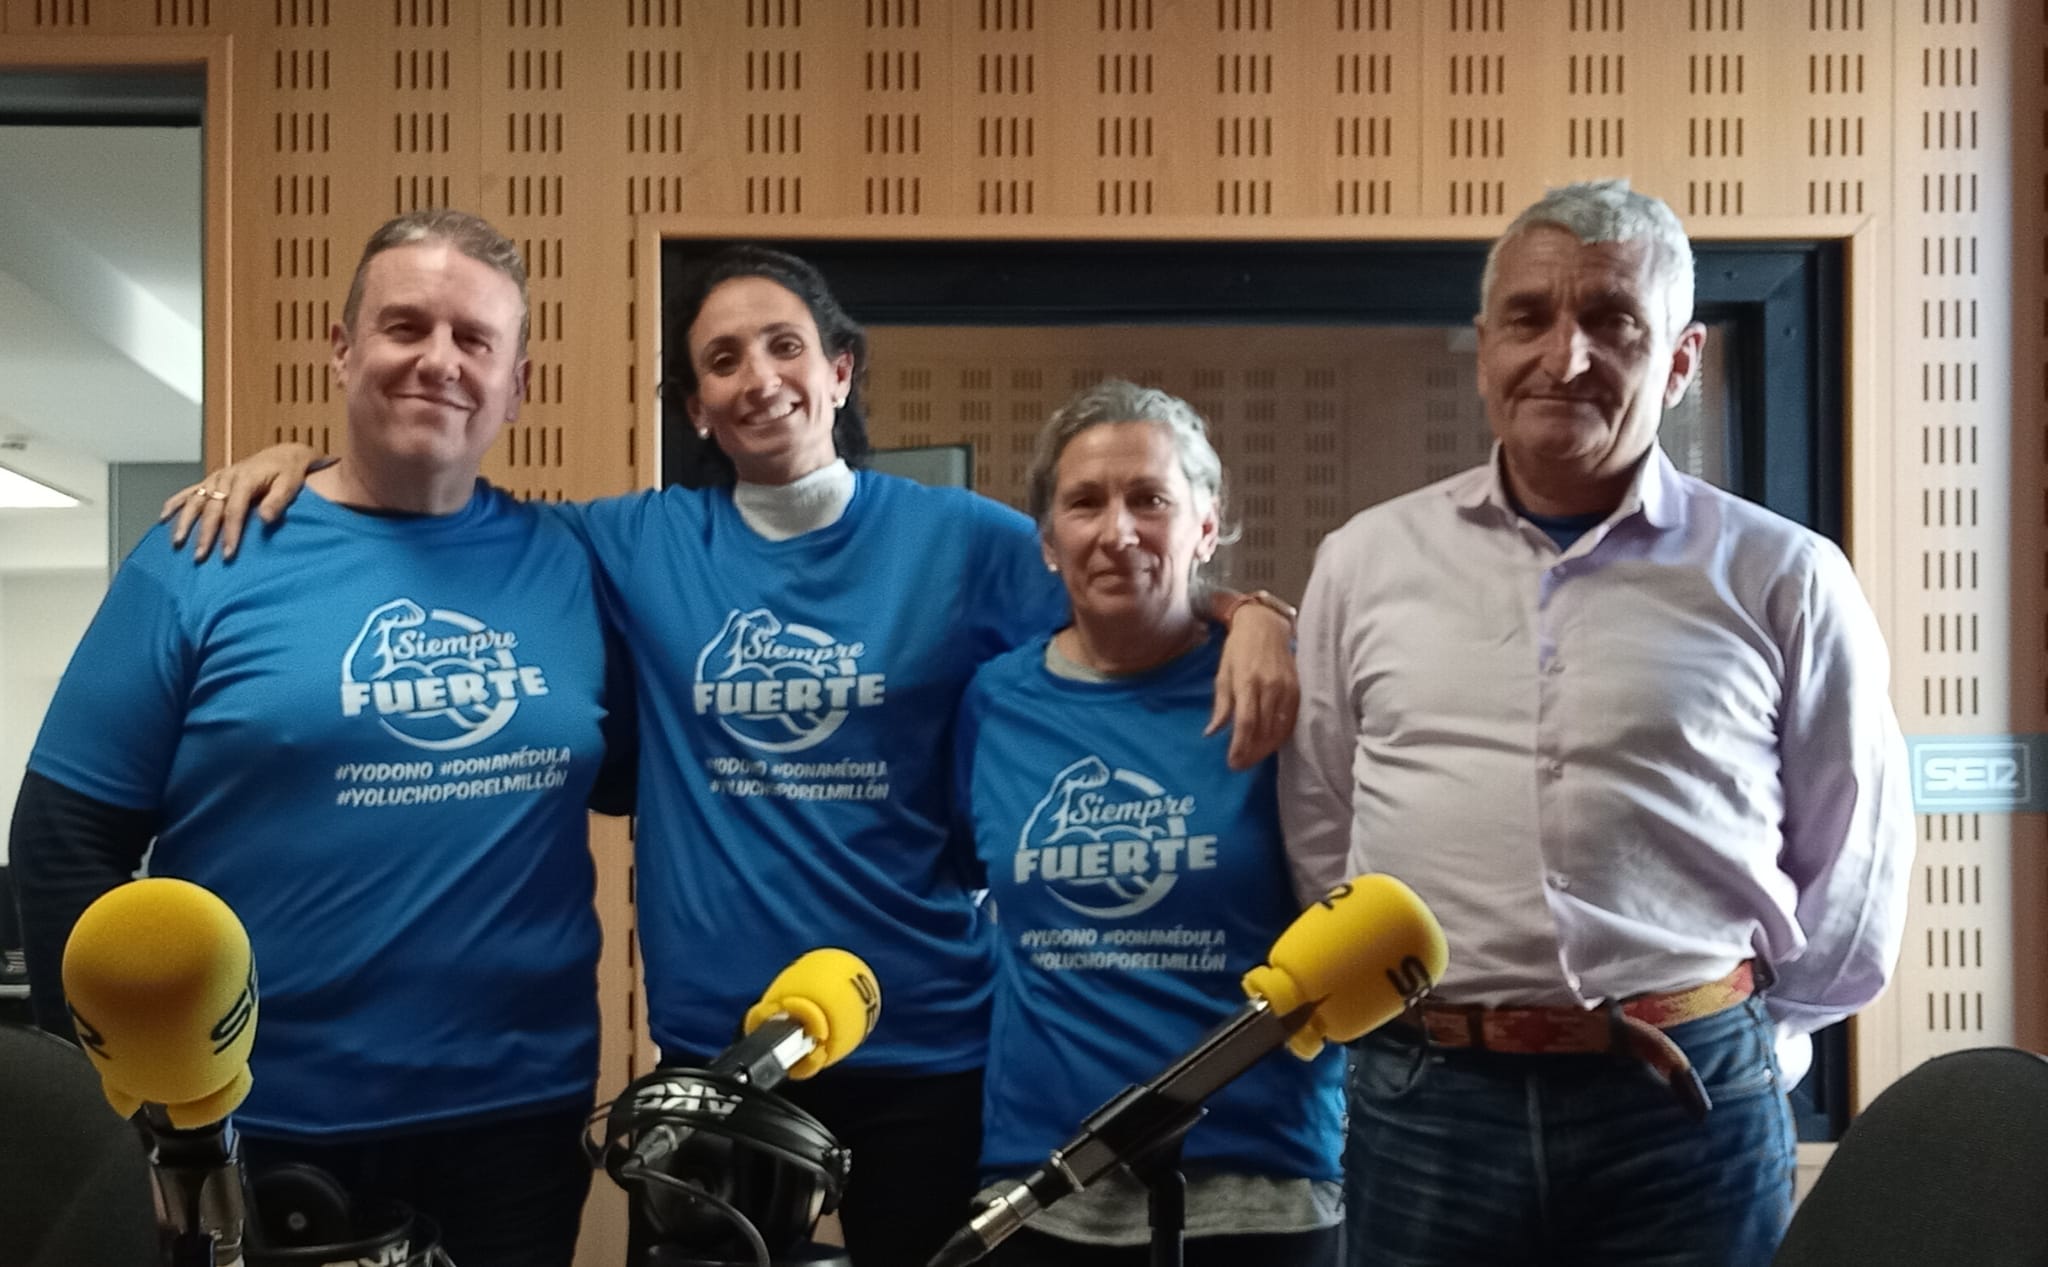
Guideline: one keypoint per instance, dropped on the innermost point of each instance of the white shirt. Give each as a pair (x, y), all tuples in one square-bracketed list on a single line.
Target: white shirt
[(1620, 768)]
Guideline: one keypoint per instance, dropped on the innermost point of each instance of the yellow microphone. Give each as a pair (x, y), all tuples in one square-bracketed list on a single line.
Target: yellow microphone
[(162, 989), (1346, 965), (1358, 958), (815, 1012)]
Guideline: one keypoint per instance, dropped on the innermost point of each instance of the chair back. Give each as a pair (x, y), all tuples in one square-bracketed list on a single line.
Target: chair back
[(74, 1177), (1947, 1165)]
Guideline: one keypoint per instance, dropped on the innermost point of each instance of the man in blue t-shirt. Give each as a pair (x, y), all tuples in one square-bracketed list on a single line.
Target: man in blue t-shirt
[(375, 736)]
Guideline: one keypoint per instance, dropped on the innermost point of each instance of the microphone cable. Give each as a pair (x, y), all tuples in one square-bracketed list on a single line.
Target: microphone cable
[(639, 1171)]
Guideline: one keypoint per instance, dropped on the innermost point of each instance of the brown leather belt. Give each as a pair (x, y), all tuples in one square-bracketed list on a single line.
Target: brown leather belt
[(1631, 1027)]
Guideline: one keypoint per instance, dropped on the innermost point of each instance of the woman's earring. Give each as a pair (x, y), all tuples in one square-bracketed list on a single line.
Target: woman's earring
[(703, 433)]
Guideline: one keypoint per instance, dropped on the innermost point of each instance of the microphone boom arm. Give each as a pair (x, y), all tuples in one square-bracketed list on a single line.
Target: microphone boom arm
[(763, 1059), (1133, 1126), (1142, 1118)]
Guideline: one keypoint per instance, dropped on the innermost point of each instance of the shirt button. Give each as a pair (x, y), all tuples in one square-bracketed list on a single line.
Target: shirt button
[(1556, 667), (1560, 881), (1555, 769)]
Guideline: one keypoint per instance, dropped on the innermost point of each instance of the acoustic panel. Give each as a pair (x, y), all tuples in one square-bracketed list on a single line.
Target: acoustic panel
[(1953, 653)]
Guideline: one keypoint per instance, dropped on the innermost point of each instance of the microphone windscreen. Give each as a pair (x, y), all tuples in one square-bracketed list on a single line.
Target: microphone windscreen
[(162, 989), (831, 993), (1359, 956)]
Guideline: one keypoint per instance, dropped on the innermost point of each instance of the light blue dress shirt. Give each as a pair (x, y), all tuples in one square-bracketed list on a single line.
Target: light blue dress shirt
[(1618, 768)]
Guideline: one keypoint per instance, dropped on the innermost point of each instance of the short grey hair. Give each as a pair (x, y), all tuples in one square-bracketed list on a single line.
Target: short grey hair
[(1609, 211), (472, 235), (1117, 400)]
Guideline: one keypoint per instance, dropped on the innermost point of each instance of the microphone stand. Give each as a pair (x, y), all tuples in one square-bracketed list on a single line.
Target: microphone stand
[(200, 1195), (193, 1249), (1152, 1139), (1166, 1201)]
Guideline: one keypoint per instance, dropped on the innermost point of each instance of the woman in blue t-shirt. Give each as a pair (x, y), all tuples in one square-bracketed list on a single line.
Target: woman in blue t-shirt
[(1134, 875), (800, 633)]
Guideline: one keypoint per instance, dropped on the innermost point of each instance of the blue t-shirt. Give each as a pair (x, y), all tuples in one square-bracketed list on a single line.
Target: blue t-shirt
[(373, 737), (1135, 878), (796, 712)]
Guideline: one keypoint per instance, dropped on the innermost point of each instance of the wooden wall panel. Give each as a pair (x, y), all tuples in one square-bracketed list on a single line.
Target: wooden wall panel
[(582, 126), (548, 180), (1952, 215)]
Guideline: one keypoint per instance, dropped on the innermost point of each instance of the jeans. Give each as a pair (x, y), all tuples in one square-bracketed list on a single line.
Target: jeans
[(507, 1192), (1460, 1158)]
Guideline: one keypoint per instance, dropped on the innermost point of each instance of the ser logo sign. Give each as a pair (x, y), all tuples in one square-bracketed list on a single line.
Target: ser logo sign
[(1951, 774), (1971, 774)]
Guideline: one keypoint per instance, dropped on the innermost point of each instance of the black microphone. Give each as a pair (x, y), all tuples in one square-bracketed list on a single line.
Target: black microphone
[(1348, 964)]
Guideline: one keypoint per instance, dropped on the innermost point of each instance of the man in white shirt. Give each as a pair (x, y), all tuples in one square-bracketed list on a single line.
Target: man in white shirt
[(1629, 736)]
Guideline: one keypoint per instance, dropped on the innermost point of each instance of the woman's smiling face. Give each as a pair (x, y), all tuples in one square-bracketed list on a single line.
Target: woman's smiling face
[(767, 390)]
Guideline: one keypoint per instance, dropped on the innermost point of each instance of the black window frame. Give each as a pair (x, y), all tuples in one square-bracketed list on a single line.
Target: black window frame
[(99, 97)]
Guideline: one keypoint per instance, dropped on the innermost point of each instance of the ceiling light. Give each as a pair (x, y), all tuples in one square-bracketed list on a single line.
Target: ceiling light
[(19, 492)]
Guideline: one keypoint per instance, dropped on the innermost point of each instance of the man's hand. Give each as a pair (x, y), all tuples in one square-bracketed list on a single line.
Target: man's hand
[(219, 504), (1256, 685)]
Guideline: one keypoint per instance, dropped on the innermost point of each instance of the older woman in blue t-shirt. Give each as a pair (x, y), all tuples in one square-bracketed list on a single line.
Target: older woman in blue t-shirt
[(1134, 875)]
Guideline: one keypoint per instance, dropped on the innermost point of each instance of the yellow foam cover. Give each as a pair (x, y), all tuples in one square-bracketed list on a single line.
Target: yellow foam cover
[(831, 993), (1359, 955), (162, 990)]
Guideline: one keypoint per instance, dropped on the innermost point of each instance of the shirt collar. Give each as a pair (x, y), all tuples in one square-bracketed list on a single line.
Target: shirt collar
[(1657, 491)]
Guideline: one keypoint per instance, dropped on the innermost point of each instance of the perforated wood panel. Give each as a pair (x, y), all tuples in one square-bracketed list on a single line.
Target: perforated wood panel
[(584, 126), (1954, 649)]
